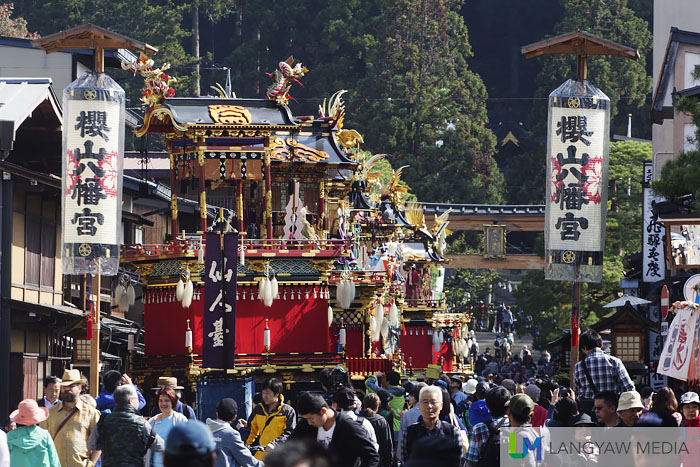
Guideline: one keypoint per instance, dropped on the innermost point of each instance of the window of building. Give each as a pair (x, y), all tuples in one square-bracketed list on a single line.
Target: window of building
[(628, 347), (82, 350), (40, 241)]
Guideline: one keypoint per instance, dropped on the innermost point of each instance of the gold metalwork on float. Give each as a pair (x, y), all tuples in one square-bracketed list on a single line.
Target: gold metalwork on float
[(230, 114), (574, 102), (84, 249), (283, 150), (568, 256)]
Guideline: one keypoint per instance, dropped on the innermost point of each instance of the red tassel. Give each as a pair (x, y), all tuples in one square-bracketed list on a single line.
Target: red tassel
[(89, 327)]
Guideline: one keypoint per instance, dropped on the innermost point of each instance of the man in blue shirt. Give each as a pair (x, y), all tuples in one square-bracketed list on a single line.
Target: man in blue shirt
[(111, 381)]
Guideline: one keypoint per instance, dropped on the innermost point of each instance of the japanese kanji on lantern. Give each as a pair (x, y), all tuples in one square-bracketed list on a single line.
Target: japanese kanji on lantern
[(577, 166), (93, 146)]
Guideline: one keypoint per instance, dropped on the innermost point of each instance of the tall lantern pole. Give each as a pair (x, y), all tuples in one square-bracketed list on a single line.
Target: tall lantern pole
[(578, 129), (93, 155)]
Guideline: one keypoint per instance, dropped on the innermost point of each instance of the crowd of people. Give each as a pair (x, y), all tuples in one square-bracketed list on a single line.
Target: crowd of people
[(446, 421)]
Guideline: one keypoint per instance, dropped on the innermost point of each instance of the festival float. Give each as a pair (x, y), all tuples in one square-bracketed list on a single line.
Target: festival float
[(300, 259)]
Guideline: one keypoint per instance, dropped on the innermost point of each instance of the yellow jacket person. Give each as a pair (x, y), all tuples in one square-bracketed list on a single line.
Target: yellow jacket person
[(271, 422)]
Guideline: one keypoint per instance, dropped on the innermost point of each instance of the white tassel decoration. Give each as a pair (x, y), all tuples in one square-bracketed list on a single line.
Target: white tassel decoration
[(179, 290), (385, 328), (372, 325), (339, 294), (330, 315), (465, 349), (394, 315), (118, 292), (351, 293), (261, 284), (241, 256), (267, 293), (131, 294), (200, 255), (124, 302), (379, 314), (275, 288), (187, 296), (436, 342)]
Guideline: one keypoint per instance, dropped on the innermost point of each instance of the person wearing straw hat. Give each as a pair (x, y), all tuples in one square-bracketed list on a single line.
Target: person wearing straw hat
[(181, 407), (71, 422), (29, 444)]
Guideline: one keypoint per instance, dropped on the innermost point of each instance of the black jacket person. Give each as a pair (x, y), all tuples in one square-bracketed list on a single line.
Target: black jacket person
[(123, 435), (345, 438)]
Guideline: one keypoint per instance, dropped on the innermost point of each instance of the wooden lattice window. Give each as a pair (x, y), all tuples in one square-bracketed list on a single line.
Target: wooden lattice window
[(628, 347), (82, 350)]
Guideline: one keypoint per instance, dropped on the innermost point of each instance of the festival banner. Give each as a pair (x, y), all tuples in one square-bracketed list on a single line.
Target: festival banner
[(653, 255), (220, 283), (577, 167), (93, 145), (678, 350)]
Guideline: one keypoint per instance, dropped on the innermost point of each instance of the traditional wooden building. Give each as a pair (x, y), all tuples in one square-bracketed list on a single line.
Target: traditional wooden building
[(625, 336)]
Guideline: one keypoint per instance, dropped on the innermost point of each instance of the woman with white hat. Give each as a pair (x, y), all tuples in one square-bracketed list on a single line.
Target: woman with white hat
[(29, 444)]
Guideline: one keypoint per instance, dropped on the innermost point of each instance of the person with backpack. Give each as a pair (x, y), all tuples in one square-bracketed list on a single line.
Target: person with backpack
[(484, 441)]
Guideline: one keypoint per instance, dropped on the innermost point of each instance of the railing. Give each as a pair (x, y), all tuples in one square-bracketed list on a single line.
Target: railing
[(360, 276), (253, 248), (424, 303), (359, 366), (299, 360)]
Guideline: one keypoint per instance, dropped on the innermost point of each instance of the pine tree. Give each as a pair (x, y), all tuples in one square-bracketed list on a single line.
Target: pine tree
[(422, 105), (619, 78)]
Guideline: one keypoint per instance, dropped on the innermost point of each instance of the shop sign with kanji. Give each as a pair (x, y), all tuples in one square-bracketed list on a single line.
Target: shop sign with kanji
[(577, 166), (93, 142)]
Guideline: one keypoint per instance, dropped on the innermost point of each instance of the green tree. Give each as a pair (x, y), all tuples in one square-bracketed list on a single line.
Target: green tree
[(619, 78), (468, 287), (549, 302), (425, 107), (16, 27)]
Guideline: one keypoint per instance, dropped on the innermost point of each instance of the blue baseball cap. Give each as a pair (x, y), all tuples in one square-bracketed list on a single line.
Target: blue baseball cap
[(441, 383), (189, 439)]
